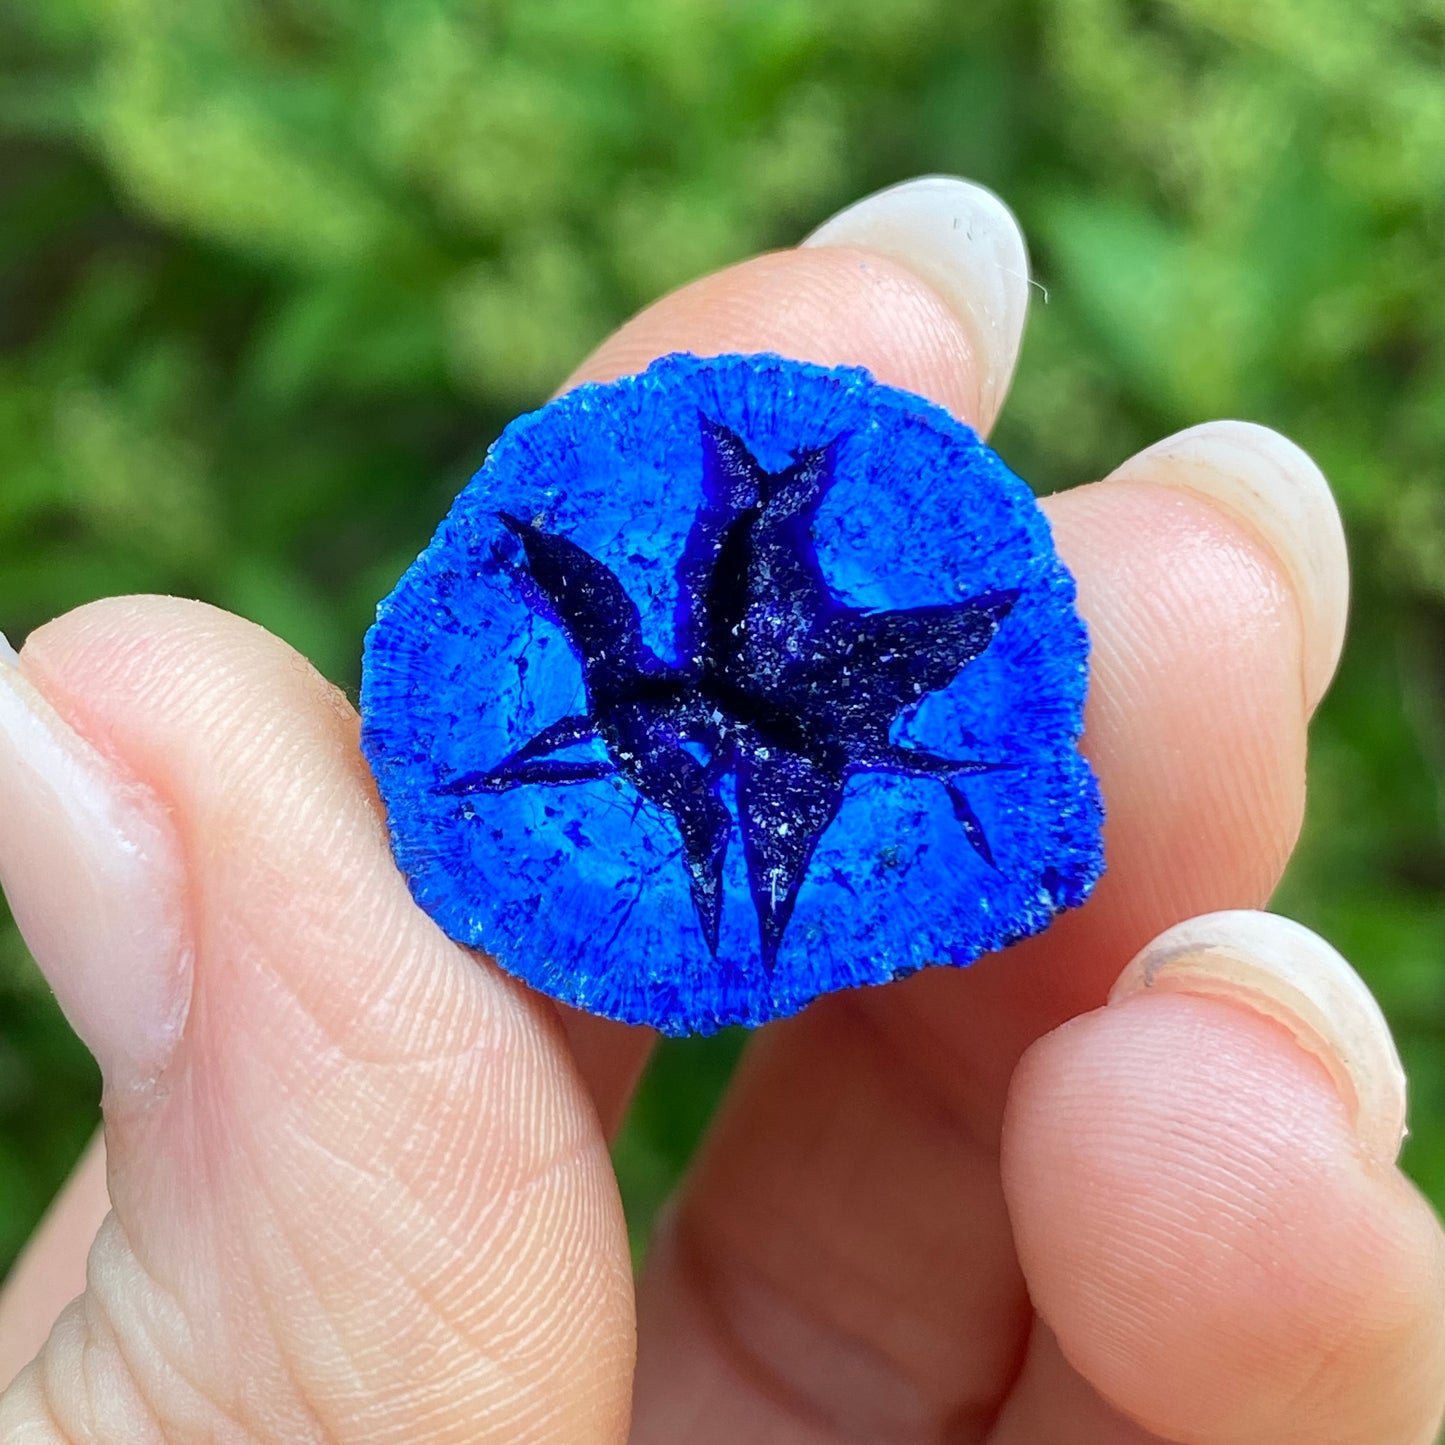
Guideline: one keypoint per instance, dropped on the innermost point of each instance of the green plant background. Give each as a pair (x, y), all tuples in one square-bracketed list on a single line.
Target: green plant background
[(274, 272)]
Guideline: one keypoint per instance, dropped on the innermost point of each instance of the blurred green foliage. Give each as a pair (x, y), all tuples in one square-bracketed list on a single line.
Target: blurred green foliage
[(274, 272)]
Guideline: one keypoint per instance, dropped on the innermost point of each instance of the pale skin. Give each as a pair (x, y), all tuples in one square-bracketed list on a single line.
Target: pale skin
[(370, 1199)]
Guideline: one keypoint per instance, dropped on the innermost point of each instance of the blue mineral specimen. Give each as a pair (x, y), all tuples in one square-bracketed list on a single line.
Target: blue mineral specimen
[(730, 684)]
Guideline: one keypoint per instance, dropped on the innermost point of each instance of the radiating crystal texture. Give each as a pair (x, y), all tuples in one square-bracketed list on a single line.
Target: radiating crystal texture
[(730, 684)]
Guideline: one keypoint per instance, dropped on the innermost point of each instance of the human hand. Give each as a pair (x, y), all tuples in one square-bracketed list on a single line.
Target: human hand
[(359, 1182)]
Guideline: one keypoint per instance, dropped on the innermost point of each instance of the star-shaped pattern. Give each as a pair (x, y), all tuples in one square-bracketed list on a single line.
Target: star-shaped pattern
[(779, 682)]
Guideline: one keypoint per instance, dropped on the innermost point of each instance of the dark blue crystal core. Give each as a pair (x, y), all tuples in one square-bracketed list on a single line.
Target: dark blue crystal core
[(730, 684)]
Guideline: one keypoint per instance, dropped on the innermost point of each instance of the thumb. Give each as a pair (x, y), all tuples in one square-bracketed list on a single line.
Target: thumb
[(358, 1191)]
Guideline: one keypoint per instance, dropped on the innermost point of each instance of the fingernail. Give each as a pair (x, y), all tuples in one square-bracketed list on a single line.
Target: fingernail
[(92, 872), (1280, 969), (965, 243), (1274, 488)]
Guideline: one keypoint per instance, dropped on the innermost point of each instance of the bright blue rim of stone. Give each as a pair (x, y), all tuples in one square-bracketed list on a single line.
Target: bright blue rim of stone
[(580, 889)]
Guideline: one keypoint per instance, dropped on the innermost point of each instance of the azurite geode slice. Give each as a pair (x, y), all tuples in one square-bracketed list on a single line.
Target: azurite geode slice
[(730, 684)]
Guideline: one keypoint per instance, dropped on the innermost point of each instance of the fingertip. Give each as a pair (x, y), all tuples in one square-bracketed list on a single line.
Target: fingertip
[(1275, 488), (1286, 972), (963, 241), (1201, 1229)]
